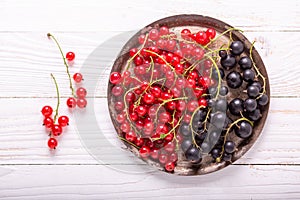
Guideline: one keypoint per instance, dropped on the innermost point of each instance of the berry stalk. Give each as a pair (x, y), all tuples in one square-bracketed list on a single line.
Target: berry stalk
[(58, 98), (65, 63)]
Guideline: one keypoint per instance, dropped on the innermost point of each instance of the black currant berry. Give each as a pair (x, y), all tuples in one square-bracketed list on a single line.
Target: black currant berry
[(237, 47), (218, 119), (253, 91), (243, 129), (245, 63), (193, 155), (185, 130), (234, 79), (211, 103), (250, 104), (212, 91), (229, 147), (257, 84), (248, 75), (213, 136), (263, 100), (215, 76), (223, 90), (205, 147), (215, 153), (236, 106), (254, 115), (221, 105), (186, 144), (228, 62), (227, 157), (200, 115), (222, 53)]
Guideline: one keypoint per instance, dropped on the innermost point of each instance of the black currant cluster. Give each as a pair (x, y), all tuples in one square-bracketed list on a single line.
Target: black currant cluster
[(234, 105)]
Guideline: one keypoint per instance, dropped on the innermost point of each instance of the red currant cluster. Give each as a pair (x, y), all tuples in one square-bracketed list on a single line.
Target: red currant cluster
[(55, 124), (164, 83)]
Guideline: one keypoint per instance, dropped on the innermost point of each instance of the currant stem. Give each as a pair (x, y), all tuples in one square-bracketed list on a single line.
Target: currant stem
[(121, 138), (257, 70), (58, 98), (65, 63), (216, 38), (228, 131)]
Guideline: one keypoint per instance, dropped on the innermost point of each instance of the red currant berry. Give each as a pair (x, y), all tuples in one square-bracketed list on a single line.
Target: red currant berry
[(70, 56), (142, 38), (170, 166), (192, 106), (211, 33), (185, 34), (163, 158), (133, 51), (77, 77), (63, 121), (81, 103), (119, 106), (120, 118), (47, 111), (139, 141), (202, 102), (133, 116), (71, 102), (52, 143), (56, 129), (180, 105), (198, 53), (125, 127), (171, 44), (153, 34), (144, 151), (164, 117), (48, 122), (115, 77), (138, 61), (156, 91), (117, 90), (130, 136), (81, 92), (148, 98), (154, 153), (173, 157), (163, 30), (169, 137), (141, 110), (169, 147), (201, 38)]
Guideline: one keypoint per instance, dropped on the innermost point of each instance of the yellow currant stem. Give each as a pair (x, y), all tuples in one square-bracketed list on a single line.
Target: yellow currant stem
[(58, 98), (121, 138), (257, 70), (137, 53), (220, 35), (65, 63), (228, 131)]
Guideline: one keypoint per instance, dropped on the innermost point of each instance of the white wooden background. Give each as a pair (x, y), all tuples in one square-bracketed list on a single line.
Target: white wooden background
[(271, 170)]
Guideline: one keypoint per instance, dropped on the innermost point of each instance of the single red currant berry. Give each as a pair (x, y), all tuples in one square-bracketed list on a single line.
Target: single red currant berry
[(169, 147), (47, 111), (141, 110), (117, 90), (211, 33), (169, 137), (202, 102), (133, 116), (144, 151), (81, 92), (125, 127), (142, 38), (77, 77), (185, 34), (171, 44), (70, 56), (48, 122), (130, 136), (52, 143), (139, 141), (154, 153), (170, 166), (173, 157), (163, 158), (138, 61), (120, 118), (156, 91), (180, 105), (133, 51), (56, 129), (63, 121), (153, 34), (71, 102), (163, 30), (192, 105), (198, 53), (81, 103), (201, 38), (148, 98), (148, 126), (115, 77), (164, 117)]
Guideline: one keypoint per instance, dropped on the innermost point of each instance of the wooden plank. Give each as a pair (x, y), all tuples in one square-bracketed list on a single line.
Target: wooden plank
[(29, 58), (101, 182), (91, 15), (23, 139)]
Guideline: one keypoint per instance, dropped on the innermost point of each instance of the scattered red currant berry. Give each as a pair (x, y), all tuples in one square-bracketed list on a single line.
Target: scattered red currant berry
[(63, 121), (47, 111), (71, 102), (70, 56), (52, 143), (81, 92), (81, 103), (77, 77), (115, 77), (56, 129)]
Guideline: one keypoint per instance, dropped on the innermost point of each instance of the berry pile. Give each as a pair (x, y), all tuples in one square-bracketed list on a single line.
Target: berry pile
[(169, 100), (54, 125)]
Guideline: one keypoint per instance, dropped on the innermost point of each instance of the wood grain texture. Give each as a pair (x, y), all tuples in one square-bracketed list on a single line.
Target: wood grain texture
[(23, 139), (93, 15), (27, 59), (101, 182)]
